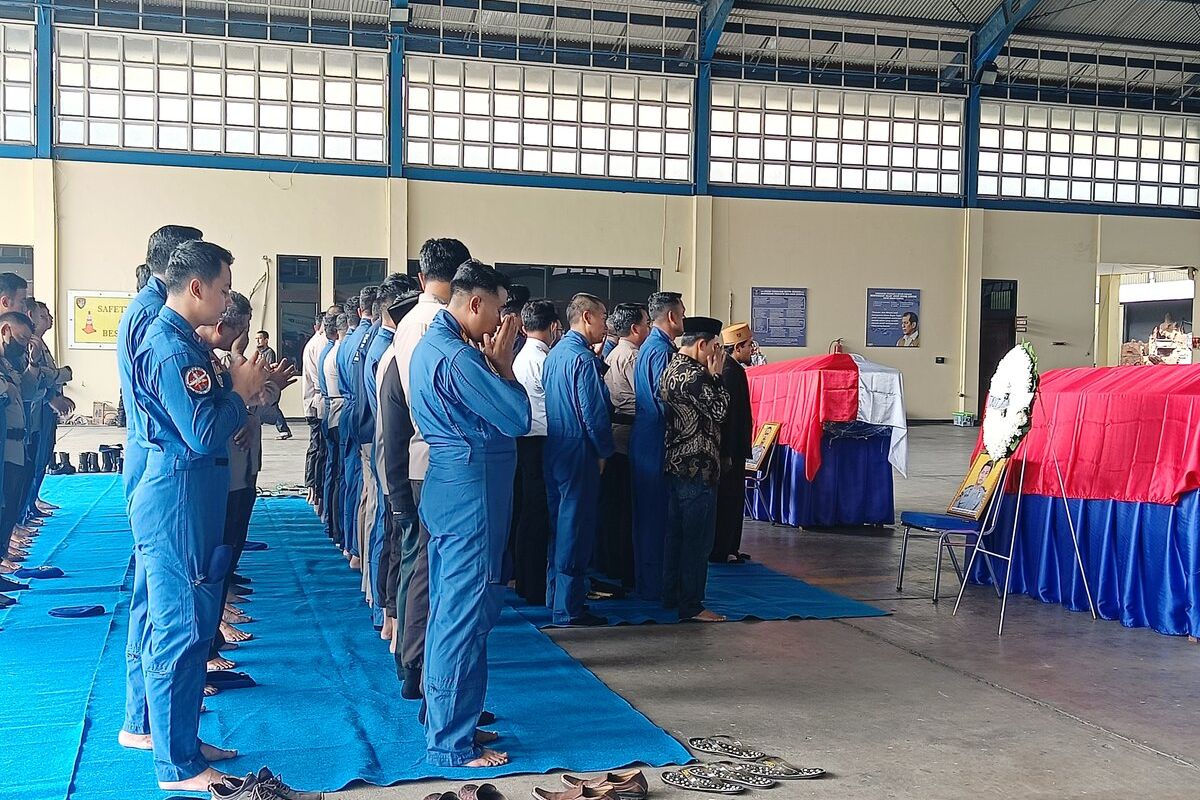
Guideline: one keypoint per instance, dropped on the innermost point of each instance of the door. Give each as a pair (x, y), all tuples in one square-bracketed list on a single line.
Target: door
[(997, 330), (297, 303)]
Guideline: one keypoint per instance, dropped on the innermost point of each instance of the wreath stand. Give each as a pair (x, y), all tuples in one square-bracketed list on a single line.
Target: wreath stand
[(994, 511)]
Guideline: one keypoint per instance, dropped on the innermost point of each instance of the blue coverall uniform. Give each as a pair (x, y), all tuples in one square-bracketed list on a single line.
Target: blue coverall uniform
[(380, 342), (647, 443), (352, 477), (470, 417), (139, 314), (578, 435), (177, 513)]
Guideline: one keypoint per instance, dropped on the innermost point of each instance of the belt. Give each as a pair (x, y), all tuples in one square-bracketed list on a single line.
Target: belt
[(622, 419), (16, 434), (185, 462)]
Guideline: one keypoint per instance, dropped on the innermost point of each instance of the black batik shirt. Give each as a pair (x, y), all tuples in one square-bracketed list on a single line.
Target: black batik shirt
[(696, 404)]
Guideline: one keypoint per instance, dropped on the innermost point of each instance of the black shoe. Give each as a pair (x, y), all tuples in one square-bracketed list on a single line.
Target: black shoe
[(587, 620), (6, 601), (261, 786), (411, 688), (9, 585), (487, 718)]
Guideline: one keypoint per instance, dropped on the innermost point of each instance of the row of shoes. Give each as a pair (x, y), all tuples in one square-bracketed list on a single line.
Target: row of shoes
[(110, 458), (628, 785), (262, 785)]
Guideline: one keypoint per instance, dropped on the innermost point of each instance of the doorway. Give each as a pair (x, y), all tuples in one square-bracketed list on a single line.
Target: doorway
[(997, 330), (299, 300)]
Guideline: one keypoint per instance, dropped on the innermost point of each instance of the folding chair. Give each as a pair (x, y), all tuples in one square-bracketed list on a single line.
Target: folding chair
[(943, 528)]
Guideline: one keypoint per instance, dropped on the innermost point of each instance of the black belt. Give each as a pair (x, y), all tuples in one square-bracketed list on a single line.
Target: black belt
[(222, 462), (16, 434), (622, 419)]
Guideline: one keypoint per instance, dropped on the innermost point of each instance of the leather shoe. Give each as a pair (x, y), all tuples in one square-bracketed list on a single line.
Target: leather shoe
[(630, 784)]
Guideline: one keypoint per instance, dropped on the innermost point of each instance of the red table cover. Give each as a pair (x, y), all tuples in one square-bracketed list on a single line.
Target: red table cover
[(802, 394), (1119, 433)]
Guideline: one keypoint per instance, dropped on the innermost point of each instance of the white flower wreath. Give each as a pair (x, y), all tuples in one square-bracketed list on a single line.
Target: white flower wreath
[(1010, 401)]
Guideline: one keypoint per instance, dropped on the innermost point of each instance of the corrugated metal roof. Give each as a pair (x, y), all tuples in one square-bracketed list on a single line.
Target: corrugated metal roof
[(953, 11), (1171, 21)]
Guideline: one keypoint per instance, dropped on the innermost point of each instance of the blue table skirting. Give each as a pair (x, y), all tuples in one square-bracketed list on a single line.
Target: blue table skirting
[(852, 487), (1142, 559)]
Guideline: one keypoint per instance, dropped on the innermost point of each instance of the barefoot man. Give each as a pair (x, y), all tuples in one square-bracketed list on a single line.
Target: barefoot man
[(469, 408), (177, 510)]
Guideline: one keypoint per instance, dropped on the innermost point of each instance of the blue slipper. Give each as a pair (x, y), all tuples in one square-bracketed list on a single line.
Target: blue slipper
[(227, 679), (76, 612), (252, 547), (39, 572)]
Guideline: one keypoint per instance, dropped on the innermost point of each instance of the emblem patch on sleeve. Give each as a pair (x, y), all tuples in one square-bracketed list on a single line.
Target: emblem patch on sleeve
[(197, 380)]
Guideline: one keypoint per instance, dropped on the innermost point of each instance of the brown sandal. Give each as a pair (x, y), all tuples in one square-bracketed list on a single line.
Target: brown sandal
[(486, 791)]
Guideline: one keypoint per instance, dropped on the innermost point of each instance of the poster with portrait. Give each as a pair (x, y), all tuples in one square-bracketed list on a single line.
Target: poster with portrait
[(975, 492), (893, 317)]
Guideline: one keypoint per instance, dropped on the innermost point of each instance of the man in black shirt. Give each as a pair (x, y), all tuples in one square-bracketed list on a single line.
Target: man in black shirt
[(696, 405), (736, 436), (266, 354)]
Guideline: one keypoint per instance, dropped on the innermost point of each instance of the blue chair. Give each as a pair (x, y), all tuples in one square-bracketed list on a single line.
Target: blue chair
[(944, 528)]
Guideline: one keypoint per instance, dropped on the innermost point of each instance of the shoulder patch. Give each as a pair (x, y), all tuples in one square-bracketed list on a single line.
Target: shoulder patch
[(197, 380)]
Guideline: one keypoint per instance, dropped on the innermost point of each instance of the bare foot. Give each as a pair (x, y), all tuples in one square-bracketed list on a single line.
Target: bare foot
[(210, 690), (232, 634), (235, 619), (199, 783), (7, 566), (385, 632), (708, 616), (135, 741), (394, 645), (488, 758), (355, 562), (232, 609), (220, 663), (227, 646), (213, 753), (485, 737)]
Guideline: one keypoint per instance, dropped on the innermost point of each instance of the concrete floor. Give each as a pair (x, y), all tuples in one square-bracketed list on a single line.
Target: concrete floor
[(917, 705)]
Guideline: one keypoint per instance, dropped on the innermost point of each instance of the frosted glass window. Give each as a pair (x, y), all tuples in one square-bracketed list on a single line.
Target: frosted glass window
[(831, 135), (207, 96), (571, 122), (1123, 157)]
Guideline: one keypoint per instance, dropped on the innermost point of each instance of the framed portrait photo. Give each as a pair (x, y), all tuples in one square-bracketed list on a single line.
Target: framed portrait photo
[(768, 434), (976, 491)]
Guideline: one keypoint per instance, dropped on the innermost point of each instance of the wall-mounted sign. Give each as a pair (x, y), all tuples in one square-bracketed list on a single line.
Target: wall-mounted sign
[(92, 319), (1022, 324), (779, 316), (893, 317)]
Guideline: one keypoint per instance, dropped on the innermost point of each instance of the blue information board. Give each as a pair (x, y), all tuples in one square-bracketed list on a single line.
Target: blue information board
[(779, 316), (893, 317)]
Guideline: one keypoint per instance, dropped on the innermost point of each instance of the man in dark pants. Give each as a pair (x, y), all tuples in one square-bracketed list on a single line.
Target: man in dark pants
[(542, 328), (16, 330), (310, 396), (614, 548), (331, 506), (696, 404), (736, 437), (266, 353)]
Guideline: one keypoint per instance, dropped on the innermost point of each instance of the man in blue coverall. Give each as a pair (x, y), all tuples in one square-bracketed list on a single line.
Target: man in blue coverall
[(469, 408), (351, 464), (650, 489), (177, 510), (138, 316), (578, 440)]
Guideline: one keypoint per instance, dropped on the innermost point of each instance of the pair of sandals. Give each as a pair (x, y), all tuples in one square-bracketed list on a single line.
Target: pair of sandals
[(470, 791), (753, 769)]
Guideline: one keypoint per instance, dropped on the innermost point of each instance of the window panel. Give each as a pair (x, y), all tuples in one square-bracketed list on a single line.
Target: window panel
[(1122, 157), (208, 96), (633, 125)]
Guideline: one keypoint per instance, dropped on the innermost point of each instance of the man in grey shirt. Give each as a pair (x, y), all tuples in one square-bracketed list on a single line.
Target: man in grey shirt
[(262, 342)]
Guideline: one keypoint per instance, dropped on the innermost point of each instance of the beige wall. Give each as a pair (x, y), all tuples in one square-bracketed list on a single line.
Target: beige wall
[(838, 251), (88, 224), (106, 212)]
